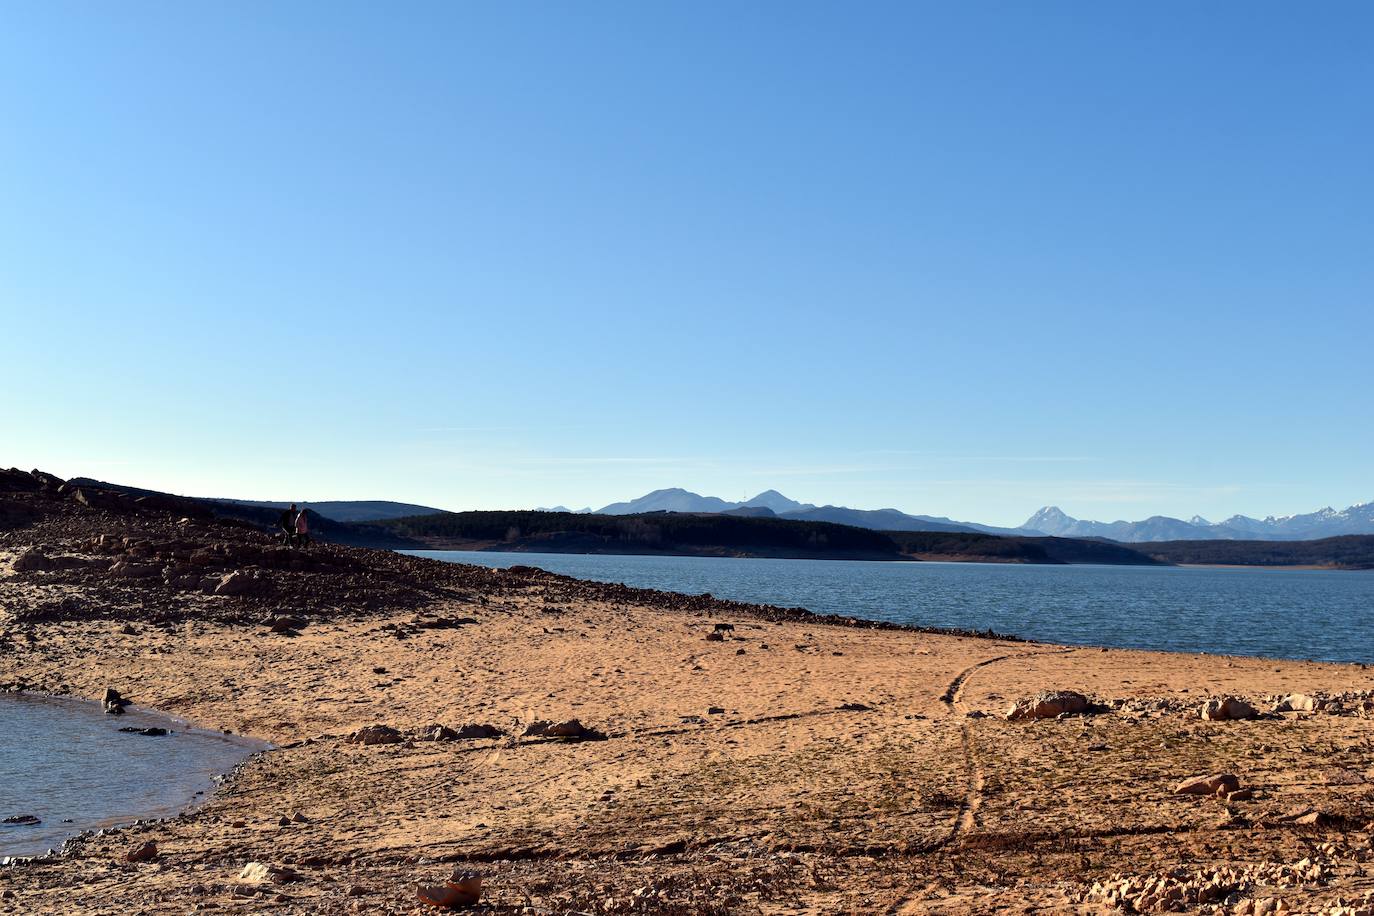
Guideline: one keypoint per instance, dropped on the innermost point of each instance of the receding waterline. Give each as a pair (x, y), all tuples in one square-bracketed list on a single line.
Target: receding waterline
[(66, 764), (1325, 615)]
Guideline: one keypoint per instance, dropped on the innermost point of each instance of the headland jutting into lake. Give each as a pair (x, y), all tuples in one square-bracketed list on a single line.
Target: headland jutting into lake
[(725, 758)]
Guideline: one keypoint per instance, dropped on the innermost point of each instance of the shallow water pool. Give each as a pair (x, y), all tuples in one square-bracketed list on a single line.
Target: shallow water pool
[(68, 764)]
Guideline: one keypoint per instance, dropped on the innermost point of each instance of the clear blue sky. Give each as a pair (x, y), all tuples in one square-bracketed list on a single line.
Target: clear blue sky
[(959, 258)]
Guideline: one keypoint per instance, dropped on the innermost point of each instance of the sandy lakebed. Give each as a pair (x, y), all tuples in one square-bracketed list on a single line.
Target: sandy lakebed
[(792, 764)]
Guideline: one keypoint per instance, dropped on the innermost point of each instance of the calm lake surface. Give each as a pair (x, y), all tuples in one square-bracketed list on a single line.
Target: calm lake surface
[(65, 760), (1279, 613)]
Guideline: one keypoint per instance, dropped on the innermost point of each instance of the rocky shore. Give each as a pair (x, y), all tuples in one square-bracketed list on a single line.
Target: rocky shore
[(575, 747)]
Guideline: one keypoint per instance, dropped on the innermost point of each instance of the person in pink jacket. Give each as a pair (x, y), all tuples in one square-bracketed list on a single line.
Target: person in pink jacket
[(302, 529)]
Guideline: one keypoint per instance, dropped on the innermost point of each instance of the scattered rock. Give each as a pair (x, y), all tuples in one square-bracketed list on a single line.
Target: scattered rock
[(438, 733), (32, 560), (461, 889), (1221, 709), (714, 636), (1315, 819), (1217, 784), (263, 873), (1298, 702), (127, 570), (1049, 704), (572, 728), (469, 732), (376, 734), (145, 852), (113, 703), (241, 583)]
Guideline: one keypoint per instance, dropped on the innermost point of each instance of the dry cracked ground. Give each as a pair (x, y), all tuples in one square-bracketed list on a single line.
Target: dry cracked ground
[(790, 766)]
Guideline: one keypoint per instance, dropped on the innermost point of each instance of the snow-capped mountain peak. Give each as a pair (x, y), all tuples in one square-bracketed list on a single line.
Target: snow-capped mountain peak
[(1050, 520)]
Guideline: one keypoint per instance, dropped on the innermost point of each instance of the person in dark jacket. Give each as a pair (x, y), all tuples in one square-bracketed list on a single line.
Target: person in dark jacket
[(287, 524)]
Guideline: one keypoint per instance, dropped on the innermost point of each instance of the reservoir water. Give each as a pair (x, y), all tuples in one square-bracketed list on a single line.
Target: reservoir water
[(68, 764), (1279, 613)]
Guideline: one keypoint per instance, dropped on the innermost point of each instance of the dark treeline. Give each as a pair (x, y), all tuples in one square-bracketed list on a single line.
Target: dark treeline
[(654, 532), (1000, 548), (726, 535), (1352, 551)]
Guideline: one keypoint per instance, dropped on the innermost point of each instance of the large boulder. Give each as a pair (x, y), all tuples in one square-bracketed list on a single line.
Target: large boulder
[(1048, 705), (1221, 709)]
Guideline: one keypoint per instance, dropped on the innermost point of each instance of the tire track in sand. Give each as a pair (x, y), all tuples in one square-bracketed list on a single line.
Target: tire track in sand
[(974, 774)]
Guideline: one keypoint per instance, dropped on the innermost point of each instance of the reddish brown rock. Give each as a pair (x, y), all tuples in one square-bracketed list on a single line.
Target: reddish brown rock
[(1049, 704)]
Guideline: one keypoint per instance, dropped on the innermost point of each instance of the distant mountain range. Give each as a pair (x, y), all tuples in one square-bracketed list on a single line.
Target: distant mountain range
[(773, 503), (1323, 523), (1048, 521)]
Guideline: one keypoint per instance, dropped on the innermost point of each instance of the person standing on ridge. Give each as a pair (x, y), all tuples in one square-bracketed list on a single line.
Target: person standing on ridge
[(287, 524), (302, 529)]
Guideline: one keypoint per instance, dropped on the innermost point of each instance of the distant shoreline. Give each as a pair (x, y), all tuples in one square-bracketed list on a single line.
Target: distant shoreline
[(918, 558)]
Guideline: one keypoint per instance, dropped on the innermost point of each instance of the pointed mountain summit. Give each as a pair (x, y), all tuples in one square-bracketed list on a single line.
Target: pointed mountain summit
[(772, 499), (1050, 520), (673, 499)]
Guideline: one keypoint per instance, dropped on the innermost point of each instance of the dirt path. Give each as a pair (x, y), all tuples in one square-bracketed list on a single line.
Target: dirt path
[(974, 774)]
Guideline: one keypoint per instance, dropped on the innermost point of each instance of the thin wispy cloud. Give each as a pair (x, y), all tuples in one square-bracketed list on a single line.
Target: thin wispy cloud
[(1011, 459)]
